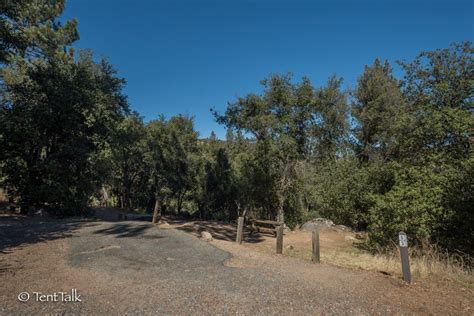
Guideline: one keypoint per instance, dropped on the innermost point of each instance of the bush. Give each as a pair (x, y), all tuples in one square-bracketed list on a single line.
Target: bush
[(342, 191), (421, 204)]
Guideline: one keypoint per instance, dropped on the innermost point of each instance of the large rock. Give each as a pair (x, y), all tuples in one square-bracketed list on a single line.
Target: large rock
[(342, 228), (163, 224), (317, 223), (349, 238), (206, 236)]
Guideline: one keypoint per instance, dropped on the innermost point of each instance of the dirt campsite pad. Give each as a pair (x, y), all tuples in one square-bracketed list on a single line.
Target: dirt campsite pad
[(120, 267)]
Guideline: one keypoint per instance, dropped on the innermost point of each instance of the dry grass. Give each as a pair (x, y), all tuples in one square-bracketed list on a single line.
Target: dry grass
[(427, 263), (340, 249)]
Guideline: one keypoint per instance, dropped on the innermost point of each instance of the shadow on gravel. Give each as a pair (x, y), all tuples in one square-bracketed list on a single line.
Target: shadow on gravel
[(18, 230), (221, 231), (125, 230)]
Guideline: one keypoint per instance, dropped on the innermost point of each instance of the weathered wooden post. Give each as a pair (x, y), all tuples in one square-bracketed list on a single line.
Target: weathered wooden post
[(403, 240), (315, 238), (279, 241), (240, 229)]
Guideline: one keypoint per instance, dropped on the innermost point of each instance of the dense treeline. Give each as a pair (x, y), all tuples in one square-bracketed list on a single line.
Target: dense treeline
[(388, 155)]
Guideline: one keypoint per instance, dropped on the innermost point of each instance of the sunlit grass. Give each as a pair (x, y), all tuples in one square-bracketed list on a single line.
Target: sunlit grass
[(427, 263)]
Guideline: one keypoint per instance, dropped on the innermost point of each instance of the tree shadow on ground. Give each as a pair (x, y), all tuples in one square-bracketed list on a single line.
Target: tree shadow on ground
[(16, 230), (127, 230), (219, 230), (114, 214)]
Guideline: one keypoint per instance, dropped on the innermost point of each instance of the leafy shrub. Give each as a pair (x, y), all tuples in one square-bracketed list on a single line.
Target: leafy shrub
[(421, 204)]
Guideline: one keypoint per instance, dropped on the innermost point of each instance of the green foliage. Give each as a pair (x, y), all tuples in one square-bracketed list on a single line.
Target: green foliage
[(419, 204), (220, 190), (49, 140), (182, 158), (329, 136), (171, 158), (380, 112), (127, 152), (289, 122), (439, 86), (55, 111), (441, 78), (29, 29)]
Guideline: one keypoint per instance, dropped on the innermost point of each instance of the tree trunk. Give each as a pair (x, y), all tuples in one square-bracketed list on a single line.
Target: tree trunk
[(105, 197), (201, 211), (126, 200), (280, 212), (156, 211), (180, 202)]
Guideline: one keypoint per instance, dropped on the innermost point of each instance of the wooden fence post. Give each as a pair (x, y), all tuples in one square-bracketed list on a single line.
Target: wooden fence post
[(279, 241), (315, 238), (240, 230), (403, 240)]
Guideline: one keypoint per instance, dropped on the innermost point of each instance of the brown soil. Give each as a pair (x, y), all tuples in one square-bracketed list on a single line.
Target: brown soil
[(252, 281), (427, 295)]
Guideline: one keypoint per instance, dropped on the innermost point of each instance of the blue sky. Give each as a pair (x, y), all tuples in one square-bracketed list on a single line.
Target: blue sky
[(190, 56)]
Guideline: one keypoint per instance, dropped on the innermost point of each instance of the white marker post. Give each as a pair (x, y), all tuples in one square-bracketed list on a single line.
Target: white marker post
[(403, 240)]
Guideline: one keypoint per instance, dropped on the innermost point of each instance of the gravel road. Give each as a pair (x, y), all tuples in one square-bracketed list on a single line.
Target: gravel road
[(133, 267)]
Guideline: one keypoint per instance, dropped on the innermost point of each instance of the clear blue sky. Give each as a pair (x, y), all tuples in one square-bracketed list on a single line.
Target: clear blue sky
[(189, 56)]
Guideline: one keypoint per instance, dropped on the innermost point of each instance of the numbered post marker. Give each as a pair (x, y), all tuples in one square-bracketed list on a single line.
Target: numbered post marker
[(402, 237), (403, 242)]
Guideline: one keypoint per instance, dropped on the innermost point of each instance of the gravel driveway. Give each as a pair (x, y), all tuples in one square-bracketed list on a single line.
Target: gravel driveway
[(133, 267)]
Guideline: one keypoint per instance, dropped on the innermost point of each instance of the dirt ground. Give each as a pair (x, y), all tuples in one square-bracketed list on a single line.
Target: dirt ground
[(129, 267), (339, 249)]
